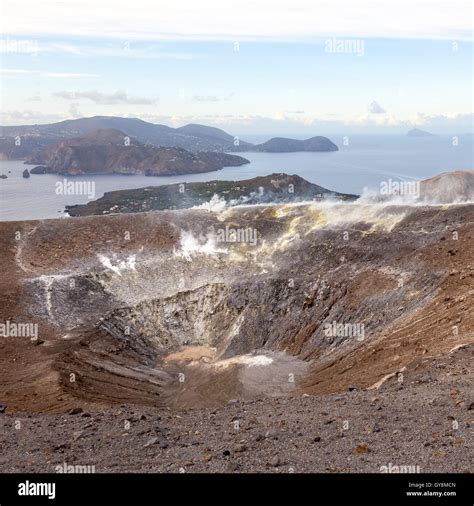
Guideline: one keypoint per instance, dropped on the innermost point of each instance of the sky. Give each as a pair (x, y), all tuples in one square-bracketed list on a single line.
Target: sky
[(299, 67)]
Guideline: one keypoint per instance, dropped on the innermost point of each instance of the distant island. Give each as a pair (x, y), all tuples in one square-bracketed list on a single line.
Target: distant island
[(265, 189), (23, 141), (285, 145), (416, 132), (109, 151)]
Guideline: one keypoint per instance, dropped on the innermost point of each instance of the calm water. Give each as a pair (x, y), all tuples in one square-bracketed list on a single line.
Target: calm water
[(364, 163)]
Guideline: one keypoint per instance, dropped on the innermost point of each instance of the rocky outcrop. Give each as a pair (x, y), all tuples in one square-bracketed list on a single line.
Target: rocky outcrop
[(40, 169), (110, 151), (275, 188), (284, 145), (448, 187), (416, 132)]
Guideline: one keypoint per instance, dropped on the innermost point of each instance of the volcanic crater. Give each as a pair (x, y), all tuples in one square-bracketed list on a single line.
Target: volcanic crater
[(150, 309)]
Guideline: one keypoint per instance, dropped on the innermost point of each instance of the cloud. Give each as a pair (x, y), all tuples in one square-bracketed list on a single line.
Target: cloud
[(306, 126), (208, 98), (15, 71), (122, 49), (34, 98), (45, 73), (28, 117), (376, 108), (280, 124), (463, 120), (67, 75), (310, 122), (118, 97), (74, 111), (238, 21), (213, 98)]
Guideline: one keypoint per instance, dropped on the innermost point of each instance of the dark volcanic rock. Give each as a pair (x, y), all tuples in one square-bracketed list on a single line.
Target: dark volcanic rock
[(75, 411), (26, 174), (40, 169)]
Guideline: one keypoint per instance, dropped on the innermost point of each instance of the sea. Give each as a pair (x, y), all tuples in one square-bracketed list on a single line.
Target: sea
[(362, 162)]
